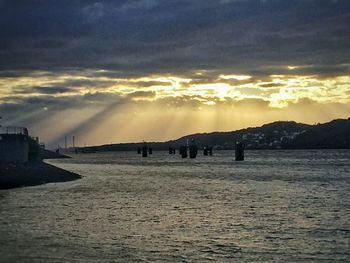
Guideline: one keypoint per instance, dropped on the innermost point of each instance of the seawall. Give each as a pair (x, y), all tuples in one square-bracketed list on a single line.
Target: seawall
[(14, 148), (32, 173)]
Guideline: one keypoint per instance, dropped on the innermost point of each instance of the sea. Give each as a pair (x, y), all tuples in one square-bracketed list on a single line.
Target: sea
[(276, 206)]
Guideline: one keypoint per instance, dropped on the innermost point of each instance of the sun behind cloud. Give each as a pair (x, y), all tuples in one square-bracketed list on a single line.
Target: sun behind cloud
[(155, 70)]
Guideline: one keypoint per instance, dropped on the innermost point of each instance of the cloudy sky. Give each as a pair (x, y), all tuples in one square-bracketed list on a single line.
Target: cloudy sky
[(133, 70)]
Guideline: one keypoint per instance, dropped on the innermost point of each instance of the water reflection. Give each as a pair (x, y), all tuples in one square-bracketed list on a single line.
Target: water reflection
[(283, 206)]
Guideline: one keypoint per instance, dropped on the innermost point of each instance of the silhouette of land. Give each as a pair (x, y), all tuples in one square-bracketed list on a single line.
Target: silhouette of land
[(32, 173), (276, 135), (21, 160), (46, 154)]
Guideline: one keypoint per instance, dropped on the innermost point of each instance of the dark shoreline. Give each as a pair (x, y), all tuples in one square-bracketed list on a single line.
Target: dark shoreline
[(31, 174)]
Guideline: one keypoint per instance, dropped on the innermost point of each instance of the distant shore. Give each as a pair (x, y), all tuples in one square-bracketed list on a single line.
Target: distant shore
[(280, 135), (31, 174)]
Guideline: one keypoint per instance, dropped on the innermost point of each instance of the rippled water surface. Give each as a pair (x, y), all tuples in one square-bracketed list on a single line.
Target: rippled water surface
[(283, 206)]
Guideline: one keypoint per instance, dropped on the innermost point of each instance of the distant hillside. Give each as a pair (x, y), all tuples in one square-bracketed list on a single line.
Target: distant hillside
[(266, 136), (331, 135), (276, 135)]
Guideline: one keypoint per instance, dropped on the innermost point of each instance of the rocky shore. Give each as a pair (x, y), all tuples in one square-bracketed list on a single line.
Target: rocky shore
[(32, 173)]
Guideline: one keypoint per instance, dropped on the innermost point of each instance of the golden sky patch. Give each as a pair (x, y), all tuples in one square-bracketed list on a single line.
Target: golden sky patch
[(178, 104), (285, 88)]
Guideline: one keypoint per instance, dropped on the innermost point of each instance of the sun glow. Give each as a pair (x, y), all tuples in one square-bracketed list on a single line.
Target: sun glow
[(219, 90), (278, 90), (235, 77)]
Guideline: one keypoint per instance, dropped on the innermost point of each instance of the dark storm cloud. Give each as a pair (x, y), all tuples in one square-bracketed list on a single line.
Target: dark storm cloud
[(41, 90), (271, 85), (142, 94), (51, 90), (88, 83), (141, 37)]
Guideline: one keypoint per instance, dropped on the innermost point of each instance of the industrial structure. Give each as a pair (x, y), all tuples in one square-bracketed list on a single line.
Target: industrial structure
[(14, 144)]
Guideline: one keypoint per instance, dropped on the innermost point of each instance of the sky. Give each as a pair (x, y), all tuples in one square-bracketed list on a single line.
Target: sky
[(132, 70)]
